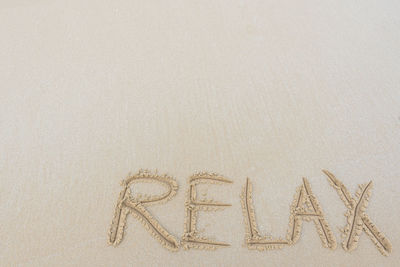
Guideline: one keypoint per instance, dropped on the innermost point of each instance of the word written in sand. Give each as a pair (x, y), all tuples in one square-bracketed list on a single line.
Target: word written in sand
[(305, 207)]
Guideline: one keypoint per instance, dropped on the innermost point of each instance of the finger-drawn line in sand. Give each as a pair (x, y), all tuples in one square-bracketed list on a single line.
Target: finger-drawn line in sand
[(191, 237), (298, 214), (357, 219), (304, 207), (253, 238), (137, 207)]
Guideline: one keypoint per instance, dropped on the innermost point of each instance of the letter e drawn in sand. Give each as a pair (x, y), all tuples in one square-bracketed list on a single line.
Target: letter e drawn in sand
[(191, 238)]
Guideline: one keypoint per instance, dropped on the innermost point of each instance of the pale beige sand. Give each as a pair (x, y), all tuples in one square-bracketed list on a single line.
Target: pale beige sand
[(270, 90)]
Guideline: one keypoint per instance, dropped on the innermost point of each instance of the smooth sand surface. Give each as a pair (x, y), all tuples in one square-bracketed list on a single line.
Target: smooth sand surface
[(271, 90)]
